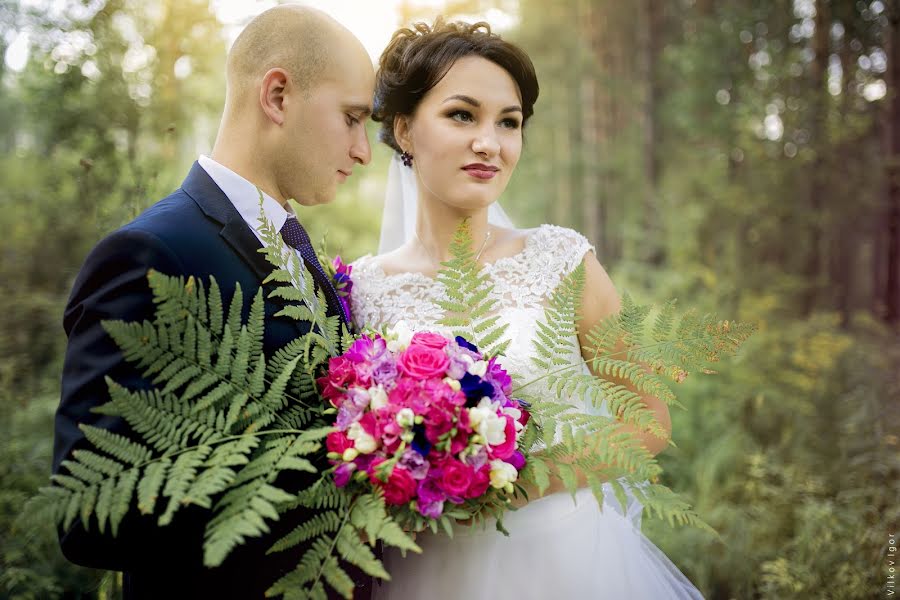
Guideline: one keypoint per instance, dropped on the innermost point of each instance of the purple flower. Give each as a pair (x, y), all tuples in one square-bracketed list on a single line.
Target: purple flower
[(517, 460), (463, 343), (366, 350), (415, 463), (430, 498), (384, 371), (343, 473), (343, 283), (457, 368), (498, 375), (479, 459), (352, 408)]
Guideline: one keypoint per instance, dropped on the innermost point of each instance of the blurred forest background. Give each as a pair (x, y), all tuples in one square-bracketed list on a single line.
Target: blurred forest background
[(740, 155)]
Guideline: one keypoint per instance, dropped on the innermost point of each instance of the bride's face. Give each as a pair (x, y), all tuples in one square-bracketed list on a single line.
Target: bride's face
[(466, 135)]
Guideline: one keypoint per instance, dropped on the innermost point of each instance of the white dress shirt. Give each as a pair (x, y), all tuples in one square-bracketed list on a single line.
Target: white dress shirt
[(245, 197)]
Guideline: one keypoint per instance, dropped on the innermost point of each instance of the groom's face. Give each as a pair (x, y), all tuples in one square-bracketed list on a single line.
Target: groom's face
[(325, 134)]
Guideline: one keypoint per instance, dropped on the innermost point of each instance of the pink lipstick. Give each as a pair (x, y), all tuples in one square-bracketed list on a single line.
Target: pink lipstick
[(481, 171)]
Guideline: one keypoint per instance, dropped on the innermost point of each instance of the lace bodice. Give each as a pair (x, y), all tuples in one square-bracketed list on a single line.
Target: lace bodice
[(523, 284)]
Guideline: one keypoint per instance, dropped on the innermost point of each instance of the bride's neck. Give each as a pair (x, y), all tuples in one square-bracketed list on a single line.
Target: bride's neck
[(436, 223)]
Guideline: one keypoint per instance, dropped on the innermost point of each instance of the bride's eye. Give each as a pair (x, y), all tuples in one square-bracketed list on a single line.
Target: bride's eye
[(463, 116), (510, 123)]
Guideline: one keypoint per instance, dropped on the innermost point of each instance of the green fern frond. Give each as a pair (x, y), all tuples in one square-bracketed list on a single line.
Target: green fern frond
[(469, 309), (116, 445), (241, 514), (351, 549), (316, 526)]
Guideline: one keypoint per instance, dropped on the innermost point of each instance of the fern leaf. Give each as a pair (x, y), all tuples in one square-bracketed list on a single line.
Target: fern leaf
[(150, 485), (354, 551)]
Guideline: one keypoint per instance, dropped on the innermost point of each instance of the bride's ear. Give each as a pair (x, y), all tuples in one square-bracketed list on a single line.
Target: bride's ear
[(401, 133)]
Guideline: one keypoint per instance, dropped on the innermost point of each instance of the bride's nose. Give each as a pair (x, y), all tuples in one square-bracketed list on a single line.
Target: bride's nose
[(486, 143)]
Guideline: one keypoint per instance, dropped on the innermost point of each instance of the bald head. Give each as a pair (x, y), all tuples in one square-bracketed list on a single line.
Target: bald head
[(301, 40), (299, 91)]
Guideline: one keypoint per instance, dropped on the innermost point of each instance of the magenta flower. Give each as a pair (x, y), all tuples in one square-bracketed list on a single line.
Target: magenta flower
[(343, 284), (422, 362), (456, 477), (429, 339)]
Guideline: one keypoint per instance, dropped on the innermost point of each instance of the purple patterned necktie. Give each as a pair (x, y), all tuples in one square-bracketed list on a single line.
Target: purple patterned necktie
[(295, 236)]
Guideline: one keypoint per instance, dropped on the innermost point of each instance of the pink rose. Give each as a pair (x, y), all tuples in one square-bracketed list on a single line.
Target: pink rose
[(480, 482), (399, 488), (429, 340), (337, 441), (505, 449), (422, 362), (341, 375), (456, 477)]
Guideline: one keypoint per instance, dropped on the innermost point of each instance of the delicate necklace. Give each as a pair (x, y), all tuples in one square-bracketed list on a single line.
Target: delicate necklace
[(437, 262)]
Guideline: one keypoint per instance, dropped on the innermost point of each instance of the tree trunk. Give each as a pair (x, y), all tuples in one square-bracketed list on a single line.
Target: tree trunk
[(652, 33), (892, 206), (818, 109), (590, 150)]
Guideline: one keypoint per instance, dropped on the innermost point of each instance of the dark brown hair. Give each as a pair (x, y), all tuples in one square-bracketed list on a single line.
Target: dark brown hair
[(417, 59)]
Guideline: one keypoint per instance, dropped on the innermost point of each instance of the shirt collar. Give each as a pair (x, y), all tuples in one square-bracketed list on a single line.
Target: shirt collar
[(244, 195)]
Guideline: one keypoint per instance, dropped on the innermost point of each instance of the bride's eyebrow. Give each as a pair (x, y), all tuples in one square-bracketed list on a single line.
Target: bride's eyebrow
[(477, 104)]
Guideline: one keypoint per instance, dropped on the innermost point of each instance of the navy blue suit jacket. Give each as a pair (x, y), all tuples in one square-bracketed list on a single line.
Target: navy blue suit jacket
[(194, 231)]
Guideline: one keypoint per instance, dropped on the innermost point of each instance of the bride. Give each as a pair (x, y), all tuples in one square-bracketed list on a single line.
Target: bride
[(453, 100)]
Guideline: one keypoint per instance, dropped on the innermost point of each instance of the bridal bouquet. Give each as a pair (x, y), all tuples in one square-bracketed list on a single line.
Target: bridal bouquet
[(426, 418), (396, 431)]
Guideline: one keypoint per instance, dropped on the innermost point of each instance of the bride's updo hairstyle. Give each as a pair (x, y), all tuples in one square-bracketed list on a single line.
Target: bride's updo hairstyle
[(417, 59)]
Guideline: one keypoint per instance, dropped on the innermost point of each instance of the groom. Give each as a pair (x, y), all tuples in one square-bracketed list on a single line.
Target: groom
[(299, 89)]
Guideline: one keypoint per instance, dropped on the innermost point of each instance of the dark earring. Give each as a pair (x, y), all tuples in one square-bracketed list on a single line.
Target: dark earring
[(407, 158)]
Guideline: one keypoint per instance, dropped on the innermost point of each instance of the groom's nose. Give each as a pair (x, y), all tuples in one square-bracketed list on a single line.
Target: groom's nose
[(360, 151)]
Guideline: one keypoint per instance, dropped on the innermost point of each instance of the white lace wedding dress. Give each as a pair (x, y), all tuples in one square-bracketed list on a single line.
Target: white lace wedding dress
[(557, 548)]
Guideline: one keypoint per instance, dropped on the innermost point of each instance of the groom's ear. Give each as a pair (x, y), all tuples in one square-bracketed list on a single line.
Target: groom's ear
[(401, 133), (272, 94)]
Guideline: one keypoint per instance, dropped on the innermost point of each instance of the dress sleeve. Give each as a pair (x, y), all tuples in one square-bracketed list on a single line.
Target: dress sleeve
[(565, 248)]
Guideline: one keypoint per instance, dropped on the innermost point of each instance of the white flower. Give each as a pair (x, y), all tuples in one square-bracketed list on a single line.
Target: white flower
[(399, 337), (502, 474), (362, 441), (379, 397), (406, 417), (478, 367), (484, 419), (454, 384), (365, 443), (516, 414), (350, 454)]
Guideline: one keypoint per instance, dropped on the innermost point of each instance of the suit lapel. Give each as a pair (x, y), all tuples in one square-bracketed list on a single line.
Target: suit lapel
[(235, 231), (216, 205)]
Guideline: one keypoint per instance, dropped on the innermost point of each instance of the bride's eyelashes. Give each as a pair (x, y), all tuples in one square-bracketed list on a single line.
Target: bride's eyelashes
[(465, 116)]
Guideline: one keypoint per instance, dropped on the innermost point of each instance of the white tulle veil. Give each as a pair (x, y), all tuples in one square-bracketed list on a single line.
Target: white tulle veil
[(398, 222)]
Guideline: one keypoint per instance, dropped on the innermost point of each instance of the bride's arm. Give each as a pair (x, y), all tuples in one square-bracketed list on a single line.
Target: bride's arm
[(601, 300)]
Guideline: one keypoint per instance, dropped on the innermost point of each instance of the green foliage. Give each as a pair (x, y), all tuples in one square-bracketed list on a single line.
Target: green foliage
[(215, 431), (596, 444), (468, 309)]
